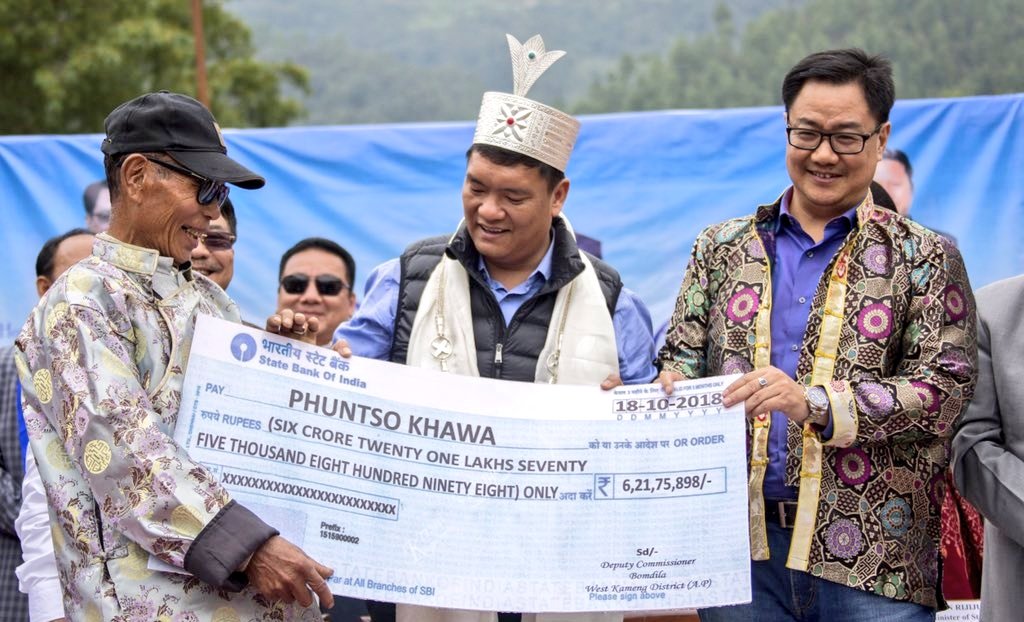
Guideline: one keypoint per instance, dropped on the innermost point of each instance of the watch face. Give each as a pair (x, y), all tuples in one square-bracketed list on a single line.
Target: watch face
[(818, 398)]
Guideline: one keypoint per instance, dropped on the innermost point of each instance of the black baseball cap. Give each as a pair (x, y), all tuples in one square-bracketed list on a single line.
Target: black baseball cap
[(181, 127)]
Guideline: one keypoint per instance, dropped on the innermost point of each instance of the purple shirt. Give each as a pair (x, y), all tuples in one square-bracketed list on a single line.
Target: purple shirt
[(798, 267)]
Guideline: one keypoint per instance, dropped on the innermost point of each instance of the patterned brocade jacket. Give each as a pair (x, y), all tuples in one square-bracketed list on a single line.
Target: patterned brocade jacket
[(102, 361), (891, 337)]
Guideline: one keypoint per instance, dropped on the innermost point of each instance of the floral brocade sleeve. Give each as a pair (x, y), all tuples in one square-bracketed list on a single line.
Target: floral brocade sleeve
[(685, 349), (936, 360)]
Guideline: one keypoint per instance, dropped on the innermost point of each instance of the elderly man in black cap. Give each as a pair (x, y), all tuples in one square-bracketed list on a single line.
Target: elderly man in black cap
[(102, 360)]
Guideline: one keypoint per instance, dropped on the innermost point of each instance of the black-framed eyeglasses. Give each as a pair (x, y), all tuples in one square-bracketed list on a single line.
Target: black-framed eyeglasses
[(843, 143), (326, 284), (219, 241), (209, 190)]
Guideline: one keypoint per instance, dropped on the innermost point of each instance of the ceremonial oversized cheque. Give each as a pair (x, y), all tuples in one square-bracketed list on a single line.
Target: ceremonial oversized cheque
[(423, 487)]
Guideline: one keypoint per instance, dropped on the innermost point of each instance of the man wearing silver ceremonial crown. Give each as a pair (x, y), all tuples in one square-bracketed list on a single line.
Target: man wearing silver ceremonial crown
[(508, 295)]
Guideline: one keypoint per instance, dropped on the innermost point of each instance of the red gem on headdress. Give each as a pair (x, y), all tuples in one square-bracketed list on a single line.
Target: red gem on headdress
[(510, 121)]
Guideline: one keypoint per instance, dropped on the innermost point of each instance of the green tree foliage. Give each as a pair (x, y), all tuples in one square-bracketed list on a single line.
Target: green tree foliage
[(939, 48), (65, 65), (420, 60)]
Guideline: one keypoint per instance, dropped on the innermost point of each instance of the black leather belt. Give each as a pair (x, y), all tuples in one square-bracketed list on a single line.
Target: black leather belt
[(782, 513)]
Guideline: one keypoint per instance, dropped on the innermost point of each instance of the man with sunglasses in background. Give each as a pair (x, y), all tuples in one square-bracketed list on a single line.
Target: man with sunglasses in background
[(214, 257), (854, 329), (101, 362), (315, 278)]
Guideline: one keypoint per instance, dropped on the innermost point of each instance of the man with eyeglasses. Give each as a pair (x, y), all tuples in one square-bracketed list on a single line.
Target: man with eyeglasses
[(854, 331), (315, 278), (101, 363), (214, 256)]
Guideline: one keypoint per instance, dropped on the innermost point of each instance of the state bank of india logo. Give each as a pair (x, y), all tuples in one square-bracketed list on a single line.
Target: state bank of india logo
[(243, 347)]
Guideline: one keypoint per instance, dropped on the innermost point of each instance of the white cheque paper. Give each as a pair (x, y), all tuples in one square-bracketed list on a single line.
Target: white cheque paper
[(430, 488)]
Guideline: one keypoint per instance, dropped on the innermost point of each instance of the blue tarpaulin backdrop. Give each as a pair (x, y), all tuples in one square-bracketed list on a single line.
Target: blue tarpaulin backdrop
[(643, 183)]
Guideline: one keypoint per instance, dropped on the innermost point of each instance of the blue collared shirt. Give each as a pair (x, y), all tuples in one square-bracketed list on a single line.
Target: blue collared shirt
[(798, 267), (370, 331)]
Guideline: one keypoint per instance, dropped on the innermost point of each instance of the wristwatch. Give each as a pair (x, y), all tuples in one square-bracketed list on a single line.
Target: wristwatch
[(817, 404)]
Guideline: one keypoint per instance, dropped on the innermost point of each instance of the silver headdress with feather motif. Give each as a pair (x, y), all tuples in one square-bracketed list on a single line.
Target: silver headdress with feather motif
[(513, 122)]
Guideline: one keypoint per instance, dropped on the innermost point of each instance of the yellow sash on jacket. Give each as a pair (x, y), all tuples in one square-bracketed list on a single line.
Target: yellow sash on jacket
[(833, 320)]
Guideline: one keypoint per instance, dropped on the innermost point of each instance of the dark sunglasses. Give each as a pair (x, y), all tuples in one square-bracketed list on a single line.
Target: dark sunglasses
[(326, 284), (209, 191), (219, 241)]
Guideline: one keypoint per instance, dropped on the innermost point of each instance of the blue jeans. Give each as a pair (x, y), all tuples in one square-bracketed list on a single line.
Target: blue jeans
[(781, 594)]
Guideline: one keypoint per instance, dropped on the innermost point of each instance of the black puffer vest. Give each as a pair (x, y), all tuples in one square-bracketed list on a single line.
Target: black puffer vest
[(502, 352)]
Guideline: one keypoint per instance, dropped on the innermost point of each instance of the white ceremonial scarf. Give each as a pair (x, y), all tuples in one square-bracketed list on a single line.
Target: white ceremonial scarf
[(581, 330)]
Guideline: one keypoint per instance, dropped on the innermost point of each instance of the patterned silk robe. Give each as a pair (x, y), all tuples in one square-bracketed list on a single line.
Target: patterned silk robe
[(891, 336), (102, 360)]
